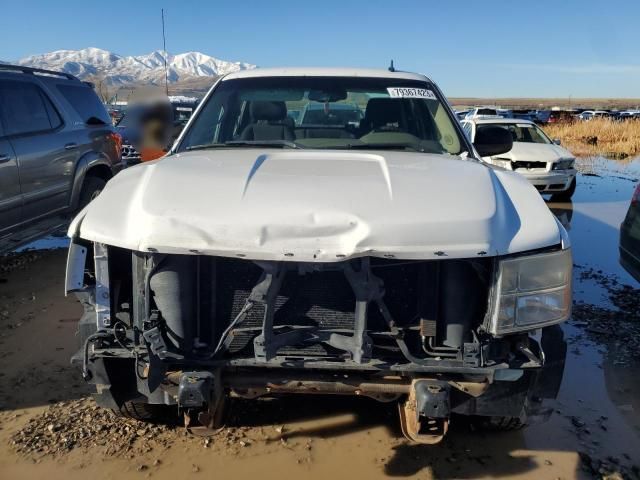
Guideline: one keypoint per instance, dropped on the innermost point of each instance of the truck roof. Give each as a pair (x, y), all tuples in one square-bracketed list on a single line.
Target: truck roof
[(41, 72), (324, 72)]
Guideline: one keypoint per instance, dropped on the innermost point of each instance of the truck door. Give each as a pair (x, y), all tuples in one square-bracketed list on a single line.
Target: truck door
[(46, 157)]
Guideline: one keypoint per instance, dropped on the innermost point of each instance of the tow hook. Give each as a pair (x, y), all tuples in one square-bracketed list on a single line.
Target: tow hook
[(424, 416), (202, 401)]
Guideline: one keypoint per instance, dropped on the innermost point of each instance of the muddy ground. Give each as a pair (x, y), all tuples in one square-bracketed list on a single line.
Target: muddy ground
[(49, 428)]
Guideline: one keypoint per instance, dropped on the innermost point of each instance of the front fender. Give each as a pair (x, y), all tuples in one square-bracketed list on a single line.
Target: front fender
[(86, 163)]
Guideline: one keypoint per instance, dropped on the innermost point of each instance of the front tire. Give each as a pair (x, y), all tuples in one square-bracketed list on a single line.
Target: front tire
[(566, 195), (499, 424), (91, 188), (147, 412)]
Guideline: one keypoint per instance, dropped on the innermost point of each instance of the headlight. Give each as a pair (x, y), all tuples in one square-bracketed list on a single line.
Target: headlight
[(501, 163), (563, 164), (532, 292)]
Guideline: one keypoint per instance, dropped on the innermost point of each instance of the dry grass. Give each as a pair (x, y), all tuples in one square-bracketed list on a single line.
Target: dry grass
[(599, 136)]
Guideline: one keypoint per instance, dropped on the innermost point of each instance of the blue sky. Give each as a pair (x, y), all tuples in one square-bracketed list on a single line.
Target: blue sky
[(535, 48)]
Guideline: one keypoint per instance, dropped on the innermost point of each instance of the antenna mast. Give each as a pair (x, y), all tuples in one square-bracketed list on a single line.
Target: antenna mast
[(164, 56)]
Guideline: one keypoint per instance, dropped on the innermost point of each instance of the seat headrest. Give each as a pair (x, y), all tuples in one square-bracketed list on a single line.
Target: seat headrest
[(382, 111), (271, 111)]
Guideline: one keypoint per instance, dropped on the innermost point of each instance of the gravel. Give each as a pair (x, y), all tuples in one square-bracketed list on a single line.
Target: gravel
[(14, 261), (80, 424)]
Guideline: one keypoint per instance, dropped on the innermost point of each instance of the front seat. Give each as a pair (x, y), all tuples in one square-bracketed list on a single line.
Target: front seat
[(269, 122), (383, 114)]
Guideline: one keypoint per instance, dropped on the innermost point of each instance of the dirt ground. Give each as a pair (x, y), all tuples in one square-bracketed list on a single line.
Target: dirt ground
[(49, 428)]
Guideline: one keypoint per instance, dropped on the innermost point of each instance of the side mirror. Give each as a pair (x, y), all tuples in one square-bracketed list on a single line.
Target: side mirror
[(492, 141), (95, 121), (557, 141)]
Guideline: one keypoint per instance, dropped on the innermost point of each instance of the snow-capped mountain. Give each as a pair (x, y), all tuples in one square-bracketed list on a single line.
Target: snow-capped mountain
[(90, 63)]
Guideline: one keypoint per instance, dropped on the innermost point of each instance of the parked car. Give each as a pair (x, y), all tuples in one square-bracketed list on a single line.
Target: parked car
[(115, 112), (179, 111), (57, 151), (629, 115), (389, 262), (483, 112), (294, 115), (555, 116), (461, 113), (630, 237), (336, 114), (549, 167), (589, 114), (505, 112), (524, 115)]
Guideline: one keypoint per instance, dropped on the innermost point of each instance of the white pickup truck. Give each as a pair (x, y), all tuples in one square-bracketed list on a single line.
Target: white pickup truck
[(383, 259)]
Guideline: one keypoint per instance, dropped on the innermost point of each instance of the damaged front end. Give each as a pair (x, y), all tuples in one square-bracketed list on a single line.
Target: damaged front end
[(191, 330)]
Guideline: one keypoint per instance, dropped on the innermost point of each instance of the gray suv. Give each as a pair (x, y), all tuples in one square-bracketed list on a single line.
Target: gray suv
[(57, 151)]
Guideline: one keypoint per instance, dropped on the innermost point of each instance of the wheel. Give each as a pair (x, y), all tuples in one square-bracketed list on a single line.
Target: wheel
[(91, 188), (146, 412), (499, 424), (567, 194)]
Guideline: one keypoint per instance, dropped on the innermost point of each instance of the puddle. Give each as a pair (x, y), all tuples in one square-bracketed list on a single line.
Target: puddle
[(627, 169), (593, 221), (596, 382)]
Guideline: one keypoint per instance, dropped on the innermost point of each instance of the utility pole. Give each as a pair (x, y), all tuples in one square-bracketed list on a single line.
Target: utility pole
[(164, 55)]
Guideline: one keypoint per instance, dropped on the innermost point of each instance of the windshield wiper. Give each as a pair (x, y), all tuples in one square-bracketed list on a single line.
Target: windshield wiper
[(206, 146), (247, 143), (263, 143), (385, 146)]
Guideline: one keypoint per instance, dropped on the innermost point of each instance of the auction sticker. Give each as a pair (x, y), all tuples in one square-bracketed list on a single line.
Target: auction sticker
[(410, 92)]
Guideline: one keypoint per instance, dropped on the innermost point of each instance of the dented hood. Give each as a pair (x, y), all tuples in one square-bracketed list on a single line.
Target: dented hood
[(305, 205)]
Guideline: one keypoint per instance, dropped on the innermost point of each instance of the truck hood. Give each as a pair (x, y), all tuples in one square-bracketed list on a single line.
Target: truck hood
[(318, 206), (535, 152)]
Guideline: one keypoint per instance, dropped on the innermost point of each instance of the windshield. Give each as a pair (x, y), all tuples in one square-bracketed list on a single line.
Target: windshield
[(332, 114), (521, 132), (182, 113), (126, 120), (325, 113)]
